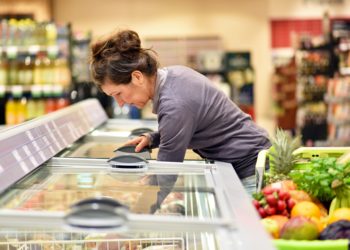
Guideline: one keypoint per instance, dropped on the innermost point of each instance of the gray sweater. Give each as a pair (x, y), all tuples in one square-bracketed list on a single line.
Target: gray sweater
[(193, 113)]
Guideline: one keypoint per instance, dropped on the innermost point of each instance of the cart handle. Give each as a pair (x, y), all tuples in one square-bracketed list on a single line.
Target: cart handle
[(260, 168)]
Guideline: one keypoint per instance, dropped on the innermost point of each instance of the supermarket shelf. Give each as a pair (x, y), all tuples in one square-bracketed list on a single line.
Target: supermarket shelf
[(338, 121), (26, 88), (345, 71), (344, 47), (334, 143), (336, 99), (30, 49)]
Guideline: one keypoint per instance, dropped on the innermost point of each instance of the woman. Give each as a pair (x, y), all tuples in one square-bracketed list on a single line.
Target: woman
[(192, 112)]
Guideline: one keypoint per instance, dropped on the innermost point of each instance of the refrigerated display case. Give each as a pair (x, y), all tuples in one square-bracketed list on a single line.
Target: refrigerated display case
[(50, 202), (111, 135)]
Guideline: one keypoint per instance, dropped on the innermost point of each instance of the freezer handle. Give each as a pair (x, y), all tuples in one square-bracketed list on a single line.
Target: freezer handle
[(97, 213), (140, 131), (260, 169), (130, 150), (128, 163)]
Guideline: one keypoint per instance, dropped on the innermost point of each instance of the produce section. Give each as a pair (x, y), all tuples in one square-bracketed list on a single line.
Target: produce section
[(304, 198)]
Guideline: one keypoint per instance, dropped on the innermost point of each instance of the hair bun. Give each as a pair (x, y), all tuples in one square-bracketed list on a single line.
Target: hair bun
[(128, 41)]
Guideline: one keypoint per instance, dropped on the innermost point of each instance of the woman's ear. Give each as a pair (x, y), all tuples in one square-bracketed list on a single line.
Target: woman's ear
[(137, 77)]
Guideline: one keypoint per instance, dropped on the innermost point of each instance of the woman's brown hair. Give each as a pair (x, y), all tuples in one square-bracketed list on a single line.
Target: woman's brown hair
[(118, 55)]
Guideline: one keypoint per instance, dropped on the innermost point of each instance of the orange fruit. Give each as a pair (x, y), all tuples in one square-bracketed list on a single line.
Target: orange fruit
[(307, 209), (339, 214)]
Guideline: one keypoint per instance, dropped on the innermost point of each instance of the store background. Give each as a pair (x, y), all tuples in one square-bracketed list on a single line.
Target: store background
[(242, 26)]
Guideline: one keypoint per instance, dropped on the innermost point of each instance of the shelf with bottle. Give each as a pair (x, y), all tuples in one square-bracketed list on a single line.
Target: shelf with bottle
[(315, 66), (80, 56), (28, 70), (338, 99), (343, 53), (34, 53), (313, 63), (35, 68), (20, 106)]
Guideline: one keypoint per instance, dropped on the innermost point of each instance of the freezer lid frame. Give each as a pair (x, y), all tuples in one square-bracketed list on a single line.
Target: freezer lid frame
[(26, 146), (123, 126), (238, 220), (232, 200)]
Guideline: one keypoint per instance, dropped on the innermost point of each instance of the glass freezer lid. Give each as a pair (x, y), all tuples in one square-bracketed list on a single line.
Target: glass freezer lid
[(125, 127), (56, 188), (50, 239), (105, 150)]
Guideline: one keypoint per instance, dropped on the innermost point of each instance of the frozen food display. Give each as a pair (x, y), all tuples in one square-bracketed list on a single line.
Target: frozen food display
[(53, 190), (59, 192), (105, 150), (49, 240), (102, 141)]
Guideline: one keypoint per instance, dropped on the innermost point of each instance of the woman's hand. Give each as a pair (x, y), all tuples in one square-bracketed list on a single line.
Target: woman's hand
[(140, 142)]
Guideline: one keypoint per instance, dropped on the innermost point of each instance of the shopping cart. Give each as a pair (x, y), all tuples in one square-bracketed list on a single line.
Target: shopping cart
[(305, 155)]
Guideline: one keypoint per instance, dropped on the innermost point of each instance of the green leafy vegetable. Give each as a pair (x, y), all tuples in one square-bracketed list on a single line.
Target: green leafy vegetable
[(324, 179)]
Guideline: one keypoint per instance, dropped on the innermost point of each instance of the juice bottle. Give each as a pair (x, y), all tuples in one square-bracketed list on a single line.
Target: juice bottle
[(39, 101), (51, 34), (12, 77), (21, 109), (38, 73), (61, 100), (20, 70), (33, 107), (28, 70), (10, 110), (3, 71), (48, 99)]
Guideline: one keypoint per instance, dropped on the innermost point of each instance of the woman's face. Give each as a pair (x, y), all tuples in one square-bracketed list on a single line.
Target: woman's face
[(137, 93)]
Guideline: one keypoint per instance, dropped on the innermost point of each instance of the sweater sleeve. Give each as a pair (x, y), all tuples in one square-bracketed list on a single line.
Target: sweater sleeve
[(176, 127), (154, 139)]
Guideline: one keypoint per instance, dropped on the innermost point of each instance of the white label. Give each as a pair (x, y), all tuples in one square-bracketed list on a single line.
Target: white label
[(16, 155), (36, 146), (59, 134), (46, 141), (24, 167), (26, 150), (42, 155), (30, 136), (33, 161), (52, 151), (54, 140)]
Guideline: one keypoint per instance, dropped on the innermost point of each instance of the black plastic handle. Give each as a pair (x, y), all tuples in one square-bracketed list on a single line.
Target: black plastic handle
[(140, 131), (131, 149), (97, 213), (128, 162), (145, 153)]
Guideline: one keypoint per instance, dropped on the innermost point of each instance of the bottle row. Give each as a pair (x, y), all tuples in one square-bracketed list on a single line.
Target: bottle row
[(20, 106), (313, 62), (339, 134), (25, 32), (338, 89), (39, 69)]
